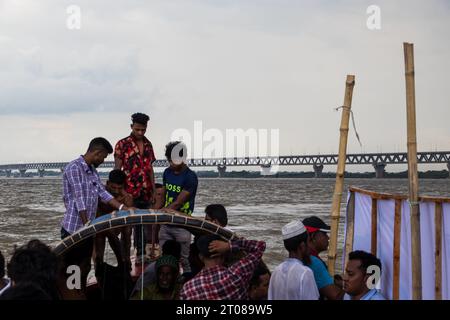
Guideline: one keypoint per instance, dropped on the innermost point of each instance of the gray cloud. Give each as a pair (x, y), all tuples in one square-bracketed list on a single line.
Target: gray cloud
[(232, 64)]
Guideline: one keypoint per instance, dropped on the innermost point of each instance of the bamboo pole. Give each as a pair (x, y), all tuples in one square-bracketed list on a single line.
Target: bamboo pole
[(412, 171), (396, 253), (337, 195), (350, 228), (438, 251), (374, 225)]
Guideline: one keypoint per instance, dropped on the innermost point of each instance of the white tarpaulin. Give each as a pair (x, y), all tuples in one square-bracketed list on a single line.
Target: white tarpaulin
[(385, 241)]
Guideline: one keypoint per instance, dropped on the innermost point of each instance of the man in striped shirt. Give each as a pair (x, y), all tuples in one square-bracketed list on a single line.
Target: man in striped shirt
[(215, 281), (81, 189)]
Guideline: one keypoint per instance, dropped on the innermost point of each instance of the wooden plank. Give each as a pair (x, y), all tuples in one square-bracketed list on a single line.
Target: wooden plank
[(438, 251), (374, 221), (388, 196), (396, 255), (350, 228)]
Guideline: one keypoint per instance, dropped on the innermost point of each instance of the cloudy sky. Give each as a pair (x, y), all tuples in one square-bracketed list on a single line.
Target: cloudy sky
[(249, 64)]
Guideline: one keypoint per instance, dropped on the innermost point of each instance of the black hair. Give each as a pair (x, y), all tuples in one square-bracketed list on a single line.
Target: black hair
[(367, 259), (2, 265), (169, 148), (260, 270), (35, 262), (158, 185), (337, 277), (100, 144), (293, 243), (140, 118), (117, 176), (203, 244), (172, 248), (25, 291), (217, 212)]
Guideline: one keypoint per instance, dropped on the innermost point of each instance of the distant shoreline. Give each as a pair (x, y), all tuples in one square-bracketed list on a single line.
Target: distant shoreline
[(442, 174)]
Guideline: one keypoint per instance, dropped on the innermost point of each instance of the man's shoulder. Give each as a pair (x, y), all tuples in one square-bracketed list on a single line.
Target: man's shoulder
[(298, 266), (73, 165), (147, 140), (123, 140), (190, 173), (316, 263)]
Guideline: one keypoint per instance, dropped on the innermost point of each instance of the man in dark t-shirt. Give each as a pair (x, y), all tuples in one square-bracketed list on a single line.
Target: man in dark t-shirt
[(180, 187)]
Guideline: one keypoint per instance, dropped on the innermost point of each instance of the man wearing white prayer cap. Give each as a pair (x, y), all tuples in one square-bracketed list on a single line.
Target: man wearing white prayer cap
[(292, 280)]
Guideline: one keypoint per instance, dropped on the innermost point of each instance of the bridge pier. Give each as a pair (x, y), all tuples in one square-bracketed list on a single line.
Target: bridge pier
[(265, 169), (41, 172), (379, 169), (22, 172), (221, 168), (318, 168)]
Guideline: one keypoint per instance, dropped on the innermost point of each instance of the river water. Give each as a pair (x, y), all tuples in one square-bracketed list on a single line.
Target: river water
[(257, 208)]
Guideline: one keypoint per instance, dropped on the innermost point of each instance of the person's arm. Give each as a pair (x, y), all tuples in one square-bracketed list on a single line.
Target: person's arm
[(324, 281), (118, 162), (106, 197), (182, 198), (245, 267), (128, 201), (152, 179), (332, 292), (152, 173)]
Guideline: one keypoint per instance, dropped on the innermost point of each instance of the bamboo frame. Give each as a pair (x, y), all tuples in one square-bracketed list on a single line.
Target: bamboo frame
[(388, 196), (396, 250), (438, 251), (337, 195), (375, 196), (350, 228), (412, 171), (374, 223)]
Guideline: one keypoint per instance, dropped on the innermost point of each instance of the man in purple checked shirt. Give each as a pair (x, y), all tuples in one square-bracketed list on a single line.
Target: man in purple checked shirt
[(81, 190)]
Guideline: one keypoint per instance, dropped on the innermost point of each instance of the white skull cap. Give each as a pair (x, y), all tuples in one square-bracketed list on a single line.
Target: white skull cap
[(292, 229)]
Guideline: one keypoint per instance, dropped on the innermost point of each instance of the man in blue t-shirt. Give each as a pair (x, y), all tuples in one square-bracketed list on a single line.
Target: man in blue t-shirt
[(325, 283), (180, 187)]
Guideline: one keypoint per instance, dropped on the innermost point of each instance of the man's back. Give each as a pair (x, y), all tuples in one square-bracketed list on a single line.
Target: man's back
[(221, 283), (291, 280)]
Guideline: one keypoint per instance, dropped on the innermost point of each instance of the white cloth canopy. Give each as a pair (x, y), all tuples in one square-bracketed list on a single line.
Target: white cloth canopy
[(385, 240)]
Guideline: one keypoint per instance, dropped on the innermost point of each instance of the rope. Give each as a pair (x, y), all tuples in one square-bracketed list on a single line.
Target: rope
[(353, 121)]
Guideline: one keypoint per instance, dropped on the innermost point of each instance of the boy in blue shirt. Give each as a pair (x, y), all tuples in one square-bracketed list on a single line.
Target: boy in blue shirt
[(179, 188)]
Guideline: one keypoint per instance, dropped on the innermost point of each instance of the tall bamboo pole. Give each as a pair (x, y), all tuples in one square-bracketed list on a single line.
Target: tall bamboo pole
[(412, 171), (337, 196), (438, 251)]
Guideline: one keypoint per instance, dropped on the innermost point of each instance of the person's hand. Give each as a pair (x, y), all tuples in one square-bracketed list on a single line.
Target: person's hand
[(218, 247), (169, 211), (153, 199)]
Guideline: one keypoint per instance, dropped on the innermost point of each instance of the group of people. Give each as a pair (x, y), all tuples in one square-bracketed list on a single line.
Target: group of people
[(203, 268)]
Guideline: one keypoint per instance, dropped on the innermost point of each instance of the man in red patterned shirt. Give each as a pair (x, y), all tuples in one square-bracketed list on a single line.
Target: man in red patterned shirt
[(216, 282), (134, 155)]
